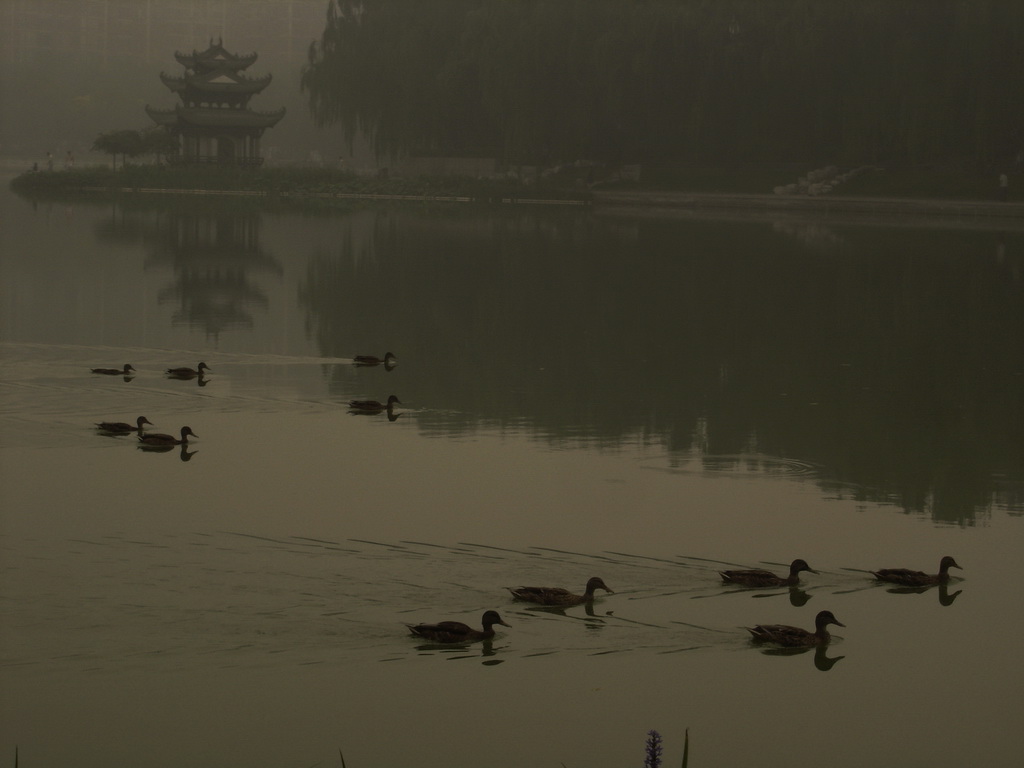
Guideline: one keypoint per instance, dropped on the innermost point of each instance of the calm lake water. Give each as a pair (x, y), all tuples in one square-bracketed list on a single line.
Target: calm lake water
[(641, 398)]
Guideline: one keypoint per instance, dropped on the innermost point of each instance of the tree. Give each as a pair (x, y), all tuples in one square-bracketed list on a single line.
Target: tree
[(693, 81), (126, 142), (157, 141)]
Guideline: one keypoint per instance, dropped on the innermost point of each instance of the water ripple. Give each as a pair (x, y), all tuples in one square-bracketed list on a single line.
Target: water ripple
[(259, 600), (742, 464)]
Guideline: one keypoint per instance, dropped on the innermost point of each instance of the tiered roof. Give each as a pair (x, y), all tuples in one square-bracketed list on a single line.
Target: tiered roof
[(214, 57), (214, 93), (215, 82)]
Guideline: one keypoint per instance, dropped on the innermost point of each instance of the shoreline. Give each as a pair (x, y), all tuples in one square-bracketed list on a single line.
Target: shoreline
[(640, 200), (297, 186), (669, 201), (273, 194)]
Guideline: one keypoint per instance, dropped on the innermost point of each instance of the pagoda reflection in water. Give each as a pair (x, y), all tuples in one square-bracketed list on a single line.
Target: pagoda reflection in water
[(213, 258)]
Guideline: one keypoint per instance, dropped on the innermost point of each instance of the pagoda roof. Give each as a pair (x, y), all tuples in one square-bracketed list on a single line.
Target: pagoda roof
[(216, 81), (214, 57), (205, 117)]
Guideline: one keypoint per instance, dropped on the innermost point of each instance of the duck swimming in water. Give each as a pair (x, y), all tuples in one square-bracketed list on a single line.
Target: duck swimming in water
[(127, 371), (160, 439), (456, 631), (187, 373), (123, 427), (761, 578), (908, 578), (373, 406), (389, 360), (557, 595), (795, 637)]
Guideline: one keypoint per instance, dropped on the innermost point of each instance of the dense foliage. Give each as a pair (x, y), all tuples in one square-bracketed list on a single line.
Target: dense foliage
[(275, 182), (814, 81), (135, 143)]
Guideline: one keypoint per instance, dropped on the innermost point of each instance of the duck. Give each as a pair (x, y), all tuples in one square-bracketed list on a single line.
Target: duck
[(909, 578), (761, 578), (456, 631), (123, 427), (388, 360), (160, 439), (557, 595), (373, 406), (188, 373), (127, 371), (795, 637)]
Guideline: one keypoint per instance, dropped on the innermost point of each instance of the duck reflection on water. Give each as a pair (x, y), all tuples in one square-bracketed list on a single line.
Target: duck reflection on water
[(484, 649), (822, 661), (591, 618), (946, 597), (798, 597), (183, 450)]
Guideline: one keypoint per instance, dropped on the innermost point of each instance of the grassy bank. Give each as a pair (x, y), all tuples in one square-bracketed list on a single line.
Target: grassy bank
[(917, 183), (282, 182), (933, 183)]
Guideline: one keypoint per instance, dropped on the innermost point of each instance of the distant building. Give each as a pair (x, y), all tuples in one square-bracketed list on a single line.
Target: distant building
[(213, 122)]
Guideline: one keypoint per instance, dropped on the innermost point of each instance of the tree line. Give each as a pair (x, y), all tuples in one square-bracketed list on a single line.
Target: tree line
[(130, 142), (693, 81)]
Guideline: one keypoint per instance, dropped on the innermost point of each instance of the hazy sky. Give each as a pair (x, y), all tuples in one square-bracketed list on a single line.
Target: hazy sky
[(75, 68)]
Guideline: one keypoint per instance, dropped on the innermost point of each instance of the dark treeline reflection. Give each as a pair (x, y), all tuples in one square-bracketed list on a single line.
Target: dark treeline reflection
[(889, 357)]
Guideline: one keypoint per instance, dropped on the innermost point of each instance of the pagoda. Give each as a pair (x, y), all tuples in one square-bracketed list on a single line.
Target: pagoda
[(213, 123)]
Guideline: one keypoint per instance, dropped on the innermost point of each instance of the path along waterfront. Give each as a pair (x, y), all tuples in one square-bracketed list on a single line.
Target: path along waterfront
[(1008, 215)]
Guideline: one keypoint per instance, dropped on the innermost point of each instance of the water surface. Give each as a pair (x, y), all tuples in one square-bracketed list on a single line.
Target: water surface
[(648, 400)]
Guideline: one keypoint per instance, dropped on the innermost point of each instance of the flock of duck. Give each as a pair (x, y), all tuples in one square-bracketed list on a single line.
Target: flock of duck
[(458, 632), (172, 373), (156, 440), (373, 407), (779, 634)]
